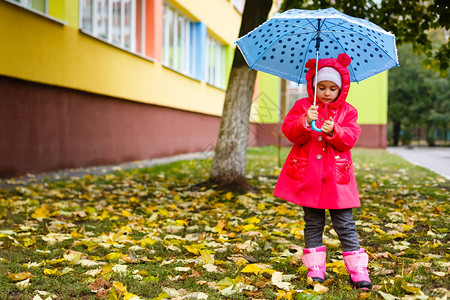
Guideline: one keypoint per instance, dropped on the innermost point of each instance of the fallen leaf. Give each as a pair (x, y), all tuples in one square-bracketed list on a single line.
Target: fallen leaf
[(73, 256), (320, 289), (277, 280), (21, 285), (251, 269), (119, 286), (119, 268), (387, 296), (41, 213), (210, 268), (19, 276)]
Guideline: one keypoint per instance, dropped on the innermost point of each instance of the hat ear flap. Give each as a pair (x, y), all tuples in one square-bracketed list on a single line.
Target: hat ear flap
[(311, 63), (344, 59)]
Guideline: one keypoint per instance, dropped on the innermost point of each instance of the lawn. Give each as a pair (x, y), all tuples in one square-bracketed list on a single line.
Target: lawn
[(151, 234)]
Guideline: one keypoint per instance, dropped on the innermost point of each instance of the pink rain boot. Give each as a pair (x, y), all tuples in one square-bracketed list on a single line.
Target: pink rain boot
[(356, 263), (314, 260)]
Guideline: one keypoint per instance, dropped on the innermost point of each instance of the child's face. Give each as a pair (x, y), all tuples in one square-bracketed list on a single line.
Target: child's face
[(327, 91)]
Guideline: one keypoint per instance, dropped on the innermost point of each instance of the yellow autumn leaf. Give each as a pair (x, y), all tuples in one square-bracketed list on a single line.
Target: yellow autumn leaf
[(107, 268), (143, 272), (50, 272), (338, 267), (251, 269), (130, 296), (377, 230), (207, 258), (75, 234), (180, 223), (19, 276), (195, 248), (282, 209), (119, 286), (229, 195), (41, 213), (105, 215), (374, 185), (268, 271), (411, 288), (113, 256), (285, 295), (249, 227), (28, 242), (126, 213), (253, 220), (147, 241), (134, 199), (407, 227)]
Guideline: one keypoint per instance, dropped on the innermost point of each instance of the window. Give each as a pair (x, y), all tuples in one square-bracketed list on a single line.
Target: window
[(215, 62), (39, 5), (239, 5), (118, 22), (178, 41)]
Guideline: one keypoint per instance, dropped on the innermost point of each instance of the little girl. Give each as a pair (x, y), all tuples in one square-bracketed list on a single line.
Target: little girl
[(318, 172)]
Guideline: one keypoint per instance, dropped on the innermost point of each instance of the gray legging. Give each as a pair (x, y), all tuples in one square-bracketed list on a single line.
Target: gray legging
[(343, 224)]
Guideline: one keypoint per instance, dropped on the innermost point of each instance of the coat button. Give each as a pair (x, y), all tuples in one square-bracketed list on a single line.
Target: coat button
[(321, 119), (320, 138), (319, 156)]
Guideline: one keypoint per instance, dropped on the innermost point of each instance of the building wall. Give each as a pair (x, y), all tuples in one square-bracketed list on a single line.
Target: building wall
[(44, 51), (48, 128), (68, 99)]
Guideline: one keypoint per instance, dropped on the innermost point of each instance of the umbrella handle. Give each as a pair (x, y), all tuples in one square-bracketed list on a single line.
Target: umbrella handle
[(313, 125)]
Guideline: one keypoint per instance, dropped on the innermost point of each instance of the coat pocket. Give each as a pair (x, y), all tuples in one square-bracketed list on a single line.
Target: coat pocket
[(297, 167), (343, 167)]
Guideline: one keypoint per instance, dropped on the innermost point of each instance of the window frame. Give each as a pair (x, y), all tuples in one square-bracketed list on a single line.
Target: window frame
[(93, 32), (178, 33), (215, 76), (37, 12)]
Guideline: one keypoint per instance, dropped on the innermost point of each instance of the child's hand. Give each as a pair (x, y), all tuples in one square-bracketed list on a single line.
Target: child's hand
[(312, 114), (328, 127)]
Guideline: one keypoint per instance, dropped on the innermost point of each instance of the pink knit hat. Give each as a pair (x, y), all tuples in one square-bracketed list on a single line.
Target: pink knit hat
[(329, 74)]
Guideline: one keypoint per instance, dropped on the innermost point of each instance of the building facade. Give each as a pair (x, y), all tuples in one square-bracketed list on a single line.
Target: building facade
[(93, 82)]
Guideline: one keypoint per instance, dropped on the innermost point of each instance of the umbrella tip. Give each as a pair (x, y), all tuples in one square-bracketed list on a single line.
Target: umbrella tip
[(249, 69)]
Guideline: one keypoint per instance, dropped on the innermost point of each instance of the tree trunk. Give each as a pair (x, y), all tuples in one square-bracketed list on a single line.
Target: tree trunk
[(430, 135), (396, 132), (229, 163)]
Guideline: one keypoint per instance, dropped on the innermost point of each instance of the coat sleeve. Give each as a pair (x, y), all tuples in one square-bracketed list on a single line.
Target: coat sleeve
[(294, 125), (346, 134)]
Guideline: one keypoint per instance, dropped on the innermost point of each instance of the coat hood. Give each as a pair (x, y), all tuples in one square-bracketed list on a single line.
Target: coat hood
[(340, 64)]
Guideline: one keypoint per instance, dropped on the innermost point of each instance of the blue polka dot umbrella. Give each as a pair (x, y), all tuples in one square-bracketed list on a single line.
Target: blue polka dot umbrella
[(282, 45)]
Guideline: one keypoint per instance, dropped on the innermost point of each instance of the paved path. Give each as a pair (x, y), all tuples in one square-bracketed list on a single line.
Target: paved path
[(437, 159), (99, 170)]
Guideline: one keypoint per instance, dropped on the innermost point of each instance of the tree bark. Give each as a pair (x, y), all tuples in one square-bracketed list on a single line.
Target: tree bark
[(430, 135), (229, 163), (396, 132)]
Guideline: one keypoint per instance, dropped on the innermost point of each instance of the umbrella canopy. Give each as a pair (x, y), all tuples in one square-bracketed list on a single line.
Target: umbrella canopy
[(282, 45)]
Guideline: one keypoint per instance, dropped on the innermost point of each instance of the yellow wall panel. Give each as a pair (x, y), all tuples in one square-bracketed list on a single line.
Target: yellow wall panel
[(43, 51), (370, 97), (220, 16)]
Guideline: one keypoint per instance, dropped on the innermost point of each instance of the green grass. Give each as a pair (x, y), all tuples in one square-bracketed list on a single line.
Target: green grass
[(156, 213)]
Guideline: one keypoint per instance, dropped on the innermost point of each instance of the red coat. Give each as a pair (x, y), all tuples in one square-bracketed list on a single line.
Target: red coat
[(318, 171)]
